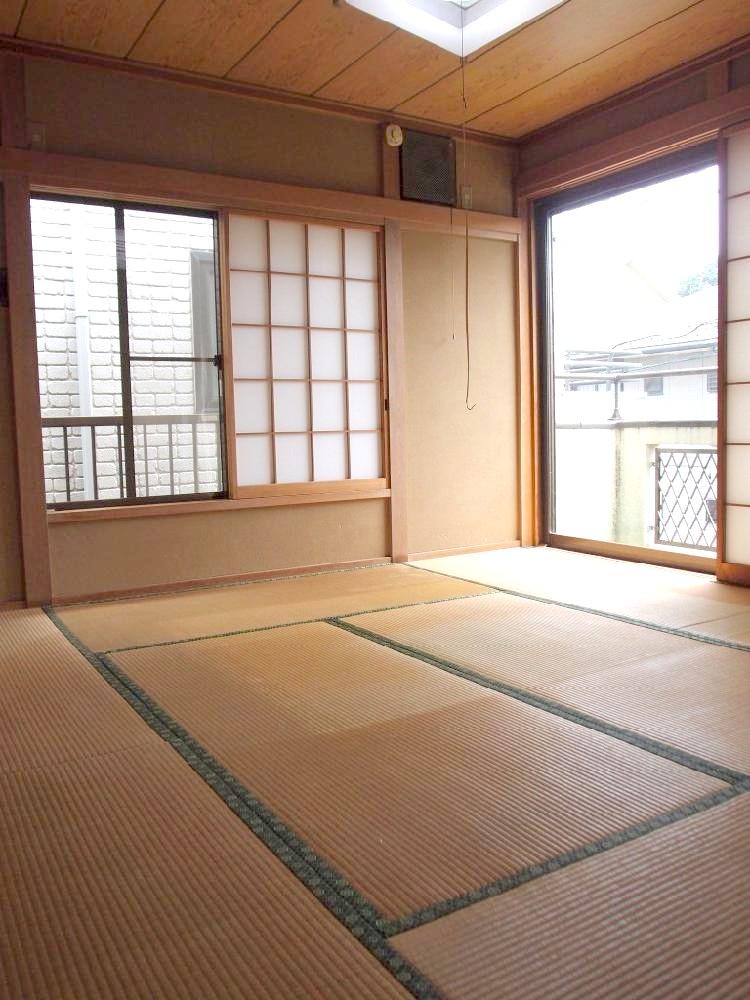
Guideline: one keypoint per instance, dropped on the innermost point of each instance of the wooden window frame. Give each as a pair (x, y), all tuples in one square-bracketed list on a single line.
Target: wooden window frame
[(339, 488)]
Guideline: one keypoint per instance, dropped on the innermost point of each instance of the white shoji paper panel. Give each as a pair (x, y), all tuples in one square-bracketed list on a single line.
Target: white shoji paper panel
[(327, 349), (249, 297), (326, 306), (738, 227), (288, 247), (361, 254), (293, 458), (324, 244), (738, 414), (738, 352), (364, 355), (288, 300), (366, 461), (364, 406), (250, 351), (738, 467), (738, 289), (252, 412), (291, 406), (361, 305), (289, 353), (328, 405), (247, 243), (329, 454), (738, 165), (738, 535), (254, 463)]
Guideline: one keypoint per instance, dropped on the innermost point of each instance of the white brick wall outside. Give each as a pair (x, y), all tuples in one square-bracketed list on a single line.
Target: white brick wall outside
[(158, 248)]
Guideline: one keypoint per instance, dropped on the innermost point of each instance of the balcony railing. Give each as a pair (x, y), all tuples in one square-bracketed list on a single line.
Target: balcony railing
[(686, 481), (176, 455)]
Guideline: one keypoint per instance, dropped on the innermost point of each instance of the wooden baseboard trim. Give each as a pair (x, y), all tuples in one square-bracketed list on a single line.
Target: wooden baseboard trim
[(12, 605), (219, 581), (633, 553), (736, 573), (463, 550)]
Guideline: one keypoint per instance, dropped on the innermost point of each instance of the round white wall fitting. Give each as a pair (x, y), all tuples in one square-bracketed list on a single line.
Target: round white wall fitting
[(394, 136)]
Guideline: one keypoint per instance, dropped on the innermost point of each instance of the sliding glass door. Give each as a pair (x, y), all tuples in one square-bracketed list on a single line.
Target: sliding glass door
[(630, 312)]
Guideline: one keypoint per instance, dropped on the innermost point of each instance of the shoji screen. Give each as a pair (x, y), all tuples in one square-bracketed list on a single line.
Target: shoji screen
[(305, 307), (737, 352)]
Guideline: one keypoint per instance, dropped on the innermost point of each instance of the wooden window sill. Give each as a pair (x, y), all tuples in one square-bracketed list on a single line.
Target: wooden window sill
[(177, 508)]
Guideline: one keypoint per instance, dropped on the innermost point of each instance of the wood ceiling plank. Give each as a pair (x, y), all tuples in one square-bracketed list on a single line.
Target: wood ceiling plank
[(9, 16), (698, 30), (312, 44), (108, 27), (568, 35), (401, 65), (207, 37)]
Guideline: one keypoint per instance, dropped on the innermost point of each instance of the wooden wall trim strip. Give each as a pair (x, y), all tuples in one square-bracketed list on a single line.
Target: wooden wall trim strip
[(721, 428), (28, 422), (88, 176), (689, 127), (396, 346), (249, 91), (463, 550), (180, 509), (222, 581), (736, 573)]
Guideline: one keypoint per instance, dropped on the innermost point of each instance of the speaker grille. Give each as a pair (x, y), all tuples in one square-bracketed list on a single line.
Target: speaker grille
[(428, 168)]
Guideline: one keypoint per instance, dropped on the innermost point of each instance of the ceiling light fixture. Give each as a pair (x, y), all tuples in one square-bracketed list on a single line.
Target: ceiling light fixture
[(460, 26)]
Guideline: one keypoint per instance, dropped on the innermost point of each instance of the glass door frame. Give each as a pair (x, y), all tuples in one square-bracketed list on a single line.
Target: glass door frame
[(664, 168)]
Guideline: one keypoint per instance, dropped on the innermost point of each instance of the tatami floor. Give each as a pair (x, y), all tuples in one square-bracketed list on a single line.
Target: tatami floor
[(514, 774)]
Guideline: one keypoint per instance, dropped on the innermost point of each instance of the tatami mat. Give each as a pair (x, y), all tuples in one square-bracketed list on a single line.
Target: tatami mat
[(114, 624), (53, 706), (689, 694), (664, 917), (411, 782), (674, 597), (127, 876)]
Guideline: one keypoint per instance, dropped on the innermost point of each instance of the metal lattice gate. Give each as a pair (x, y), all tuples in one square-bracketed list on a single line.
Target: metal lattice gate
[(686, 497)]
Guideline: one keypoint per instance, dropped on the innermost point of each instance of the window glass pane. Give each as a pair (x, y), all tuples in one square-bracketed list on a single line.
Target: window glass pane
[(324, 244), (289, 353), (78, 347), (327, 353), (292, 458), (254, 460), (361, 305), (249, 297), (252, 407), (365, 455), (326, 307), (288, 305), (287, 247), (329, 454), (171, 283), (247, 243), (361, 254), (291, 406), (250, 351), (364, 406), (329, 412), (364, 355)]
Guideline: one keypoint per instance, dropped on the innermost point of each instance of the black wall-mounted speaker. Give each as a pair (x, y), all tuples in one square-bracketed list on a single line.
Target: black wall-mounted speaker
[(428, 168)]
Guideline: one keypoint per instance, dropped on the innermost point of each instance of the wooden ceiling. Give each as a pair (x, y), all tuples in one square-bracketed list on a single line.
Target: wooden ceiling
[(578, 54)]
